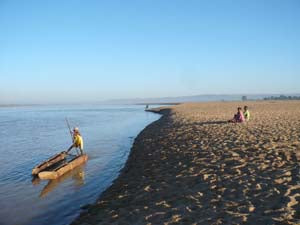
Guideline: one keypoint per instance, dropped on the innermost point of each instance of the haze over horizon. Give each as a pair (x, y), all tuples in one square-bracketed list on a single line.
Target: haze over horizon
[(60, 51)]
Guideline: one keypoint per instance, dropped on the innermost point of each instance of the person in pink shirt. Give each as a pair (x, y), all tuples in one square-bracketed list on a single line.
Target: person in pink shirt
[(239, 117)]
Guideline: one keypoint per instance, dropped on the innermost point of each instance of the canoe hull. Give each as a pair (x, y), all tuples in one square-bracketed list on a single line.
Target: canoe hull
[(50, 162), (49, 175)]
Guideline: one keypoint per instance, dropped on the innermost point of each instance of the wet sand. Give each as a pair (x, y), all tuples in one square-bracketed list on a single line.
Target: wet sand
[(192, 167)]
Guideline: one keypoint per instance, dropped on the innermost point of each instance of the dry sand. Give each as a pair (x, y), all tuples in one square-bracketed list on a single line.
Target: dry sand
[(191, 167)]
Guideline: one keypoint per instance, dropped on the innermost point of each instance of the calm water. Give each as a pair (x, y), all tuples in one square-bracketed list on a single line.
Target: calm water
[(29, 135)]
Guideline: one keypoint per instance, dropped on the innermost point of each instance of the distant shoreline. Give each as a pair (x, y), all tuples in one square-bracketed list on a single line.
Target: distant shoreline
[(160, 103), (70, 104), (18, 105)]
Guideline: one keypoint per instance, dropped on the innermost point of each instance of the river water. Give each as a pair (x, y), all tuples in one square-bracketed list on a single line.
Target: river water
[(31, 134)]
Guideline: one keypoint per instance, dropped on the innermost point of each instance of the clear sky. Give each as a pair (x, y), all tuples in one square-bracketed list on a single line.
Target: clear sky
[(96, 50)]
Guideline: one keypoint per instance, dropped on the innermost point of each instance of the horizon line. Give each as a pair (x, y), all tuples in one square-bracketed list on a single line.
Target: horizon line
[(127, 100)]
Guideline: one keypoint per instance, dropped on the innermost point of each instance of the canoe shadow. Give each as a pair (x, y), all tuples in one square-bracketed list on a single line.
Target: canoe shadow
[(211, 122), (77, 175)]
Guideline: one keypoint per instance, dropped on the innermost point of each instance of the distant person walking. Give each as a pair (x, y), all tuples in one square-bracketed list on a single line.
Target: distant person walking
[(238, 117), (246, 113), (77, 141)]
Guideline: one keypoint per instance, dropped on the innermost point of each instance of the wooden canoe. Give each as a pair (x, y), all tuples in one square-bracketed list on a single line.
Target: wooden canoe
[(48, 163), (77, 161)]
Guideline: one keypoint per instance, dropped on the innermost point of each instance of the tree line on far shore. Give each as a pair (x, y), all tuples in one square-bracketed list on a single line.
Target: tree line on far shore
[(280, 97)]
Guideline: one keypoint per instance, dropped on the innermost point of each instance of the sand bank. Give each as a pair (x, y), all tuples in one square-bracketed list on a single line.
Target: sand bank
[(191, 167)]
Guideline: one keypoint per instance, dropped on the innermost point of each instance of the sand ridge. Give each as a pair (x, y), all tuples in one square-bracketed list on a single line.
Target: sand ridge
[(192, 167)]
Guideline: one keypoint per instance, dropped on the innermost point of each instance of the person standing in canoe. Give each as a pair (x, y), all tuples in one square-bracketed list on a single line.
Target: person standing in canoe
[(77, 141)]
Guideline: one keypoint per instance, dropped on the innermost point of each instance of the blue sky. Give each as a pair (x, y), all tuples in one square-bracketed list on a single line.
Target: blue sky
[(54, 51)]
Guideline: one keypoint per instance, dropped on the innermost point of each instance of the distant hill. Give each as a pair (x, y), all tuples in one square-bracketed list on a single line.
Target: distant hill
[(174, 100), (195, 98)]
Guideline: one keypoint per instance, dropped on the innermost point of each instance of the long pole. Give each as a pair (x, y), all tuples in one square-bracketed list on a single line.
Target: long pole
[(69, 129), (70, 132)]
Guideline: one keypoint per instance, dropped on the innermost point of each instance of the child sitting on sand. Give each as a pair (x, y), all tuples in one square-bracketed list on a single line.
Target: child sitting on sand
[(246, 113), (239, 117)]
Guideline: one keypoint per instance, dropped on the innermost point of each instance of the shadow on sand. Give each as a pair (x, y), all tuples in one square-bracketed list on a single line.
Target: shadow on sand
[(211, 122)]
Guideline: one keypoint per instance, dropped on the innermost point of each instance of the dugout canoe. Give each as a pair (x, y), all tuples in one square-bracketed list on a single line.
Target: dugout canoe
[(67, 166), (49, 162)]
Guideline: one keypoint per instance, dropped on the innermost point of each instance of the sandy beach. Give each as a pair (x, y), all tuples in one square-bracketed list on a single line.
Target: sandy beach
[(192, 167)]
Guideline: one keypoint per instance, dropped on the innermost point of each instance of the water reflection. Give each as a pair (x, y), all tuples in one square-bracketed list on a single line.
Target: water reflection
[(77, 175)]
